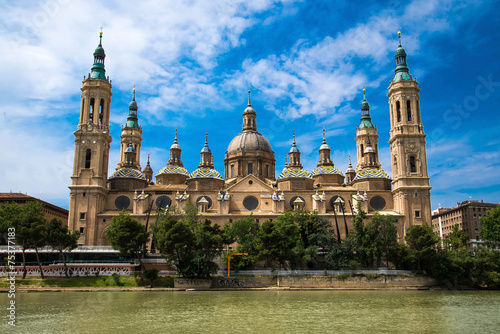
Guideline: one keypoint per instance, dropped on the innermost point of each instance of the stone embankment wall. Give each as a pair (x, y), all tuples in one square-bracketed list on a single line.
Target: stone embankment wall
[(308, 282)]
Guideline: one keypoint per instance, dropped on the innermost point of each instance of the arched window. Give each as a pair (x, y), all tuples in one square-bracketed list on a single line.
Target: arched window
[(88, 156), (413, 167), (398, 111), (82, 110), (101, 111), (91, 115), (362, 150), (418, 112), (408, 109)]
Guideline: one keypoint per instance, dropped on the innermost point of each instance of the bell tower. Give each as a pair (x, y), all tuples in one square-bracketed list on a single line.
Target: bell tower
[(88, 189), (366, 139), (131, 132), (411, 189)]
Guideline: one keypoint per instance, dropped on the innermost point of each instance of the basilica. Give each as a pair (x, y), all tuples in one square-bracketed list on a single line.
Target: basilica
[(249, 184)]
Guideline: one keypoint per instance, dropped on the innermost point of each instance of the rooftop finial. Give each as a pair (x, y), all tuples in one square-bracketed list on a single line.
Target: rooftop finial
[(249, 91), (175, 140), (133, 98), (294, 144), (324, 136), (350, 164), (100, 37), (399, 36), (148, 159), (206, 138)]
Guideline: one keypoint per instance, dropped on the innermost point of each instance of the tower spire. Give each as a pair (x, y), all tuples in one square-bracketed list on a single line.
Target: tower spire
[(206, 159), (402, 71), (98, 71), (249, 101), (366, 120)]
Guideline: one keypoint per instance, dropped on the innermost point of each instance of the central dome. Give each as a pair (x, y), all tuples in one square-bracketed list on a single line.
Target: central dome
[(249, 141)]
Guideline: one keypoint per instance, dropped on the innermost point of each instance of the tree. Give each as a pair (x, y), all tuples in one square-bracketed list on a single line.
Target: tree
[(127, 235), (189, 244), (10, 214), (61, 239), (457, 239), (279, 241), (422, 242), (381, 235), (244, 232), (361, 238), (491, 227)]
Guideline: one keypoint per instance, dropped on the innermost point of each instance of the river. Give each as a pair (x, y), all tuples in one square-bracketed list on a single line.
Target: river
[(255, 312)]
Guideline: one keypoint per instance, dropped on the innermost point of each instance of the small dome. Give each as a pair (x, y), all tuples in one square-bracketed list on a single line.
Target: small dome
[(294, 173), (326, 170), (350, 170), (170, 169), (147, 168), (371, 173), (249, 141), (205, 173), (369, 149), (249, 110), (132, 105), (294, 149), (129, 173)]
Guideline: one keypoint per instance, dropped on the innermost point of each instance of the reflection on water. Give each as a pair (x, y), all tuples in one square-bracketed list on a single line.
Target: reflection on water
[(256, 312)]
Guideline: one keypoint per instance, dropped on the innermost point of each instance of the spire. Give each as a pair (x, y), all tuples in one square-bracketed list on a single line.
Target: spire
[(98, 71), (206, 158), (175, 153), (132, 121), (294, 148), (249, 102), (175, 145), (366, 120), (402, 71), (324, 153), (324, 136), (206, 148)]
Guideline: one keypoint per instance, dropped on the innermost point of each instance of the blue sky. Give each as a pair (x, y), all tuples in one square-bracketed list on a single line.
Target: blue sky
[(306, 61)]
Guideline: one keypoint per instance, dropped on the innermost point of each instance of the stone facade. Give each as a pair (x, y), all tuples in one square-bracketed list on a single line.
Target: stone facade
[(250, 184)]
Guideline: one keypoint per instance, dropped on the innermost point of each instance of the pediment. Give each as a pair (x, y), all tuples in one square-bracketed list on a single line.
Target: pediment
[(250, 184)]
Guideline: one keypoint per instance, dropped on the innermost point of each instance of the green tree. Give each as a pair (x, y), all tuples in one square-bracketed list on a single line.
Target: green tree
[(127, 235), (491, 227), (380, 236), (61, 239), (10, 214), (342, 255), (244, 232), (457, 239), (190, 244), (486, 271), (361, 238), (279, 241), (422, 242)]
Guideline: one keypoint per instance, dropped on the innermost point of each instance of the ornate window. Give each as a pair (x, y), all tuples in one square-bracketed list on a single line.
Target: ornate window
[(88, 156), (408, 110), (250, 168), (91, 115), (398, 111), (413, 166)]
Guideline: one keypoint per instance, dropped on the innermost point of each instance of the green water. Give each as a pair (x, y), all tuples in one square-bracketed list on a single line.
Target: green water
[(255, 312)]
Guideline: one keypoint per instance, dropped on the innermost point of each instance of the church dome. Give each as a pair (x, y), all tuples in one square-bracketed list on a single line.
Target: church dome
[(172, 169), (371, 173), (326, 170), (249, 141), (205, 173), (129, 173), (294, 173)]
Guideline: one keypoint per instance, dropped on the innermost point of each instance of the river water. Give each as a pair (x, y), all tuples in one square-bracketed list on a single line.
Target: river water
[(255, 312)]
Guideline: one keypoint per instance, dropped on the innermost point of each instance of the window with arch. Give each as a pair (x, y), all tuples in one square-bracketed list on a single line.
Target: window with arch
[(408, 109), (413, 166), (88, 156), (82, 110), (362, 150), (250, 168), (418, 113), (91, 114), (398, 111), (101, 111), (267, 170), (232, 170)]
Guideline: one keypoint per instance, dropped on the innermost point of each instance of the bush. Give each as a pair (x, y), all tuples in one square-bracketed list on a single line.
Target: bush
[(150, 274)]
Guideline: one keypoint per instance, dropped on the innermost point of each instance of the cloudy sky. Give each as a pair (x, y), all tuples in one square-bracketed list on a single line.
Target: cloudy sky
[(306, 61)]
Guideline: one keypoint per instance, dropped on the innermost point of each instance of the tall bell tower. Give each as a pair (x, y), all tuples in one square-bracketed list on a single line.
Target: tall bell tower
[(88, 189), (411, 189)]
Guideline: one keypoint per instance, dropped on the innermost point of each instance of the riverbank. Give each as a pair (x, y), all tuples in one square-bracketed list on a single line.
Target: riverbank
[(131, 283)]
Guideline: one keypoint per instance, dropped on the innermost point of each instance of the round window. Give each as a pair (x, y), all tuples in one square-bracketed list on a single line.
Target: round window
[(377, 203), (333, 199), (208, 200), (122, 202), (163, 201), (250, 203)]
